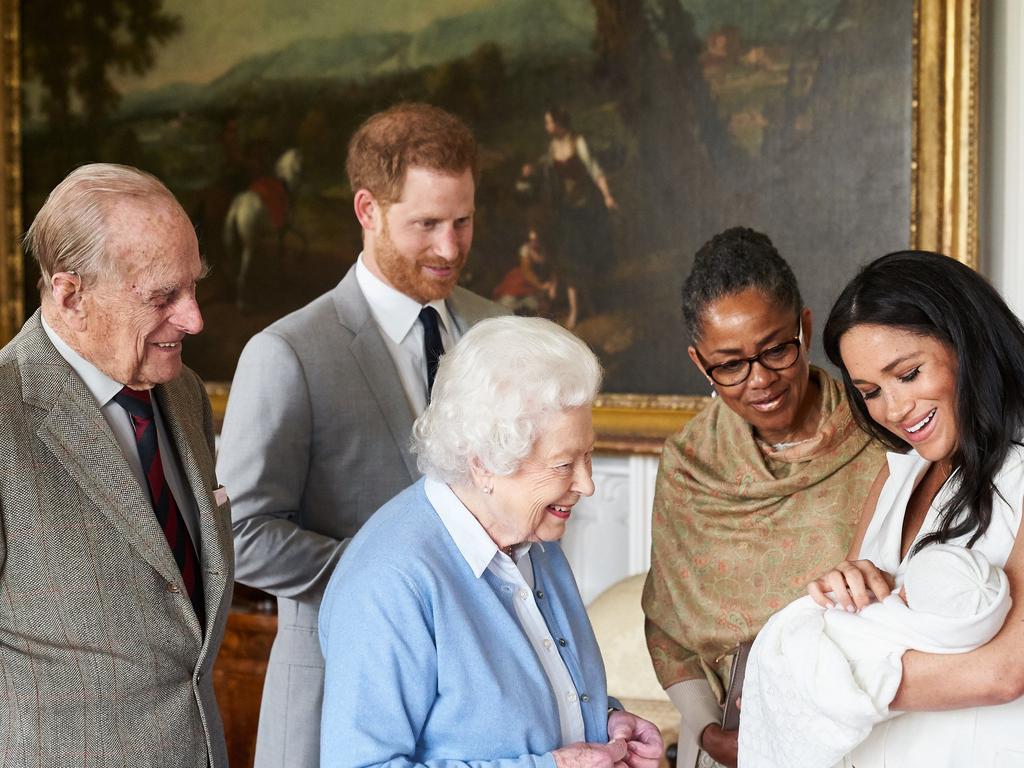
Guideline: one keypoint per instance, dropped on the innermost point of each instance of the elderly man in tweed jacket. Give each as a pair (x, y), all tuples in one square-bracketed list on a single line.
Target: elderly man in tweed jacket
[(115, 543)]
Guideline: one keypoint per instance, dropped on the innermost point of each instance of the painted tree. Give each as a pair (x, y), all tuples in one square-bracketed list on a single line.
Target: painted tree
[(650, 53), (71, 48)]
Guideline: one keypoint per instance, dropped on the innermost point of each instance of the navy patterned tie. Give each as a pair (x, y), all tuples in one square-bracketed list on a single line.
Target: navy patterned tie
[(139, 406), (432, 346)]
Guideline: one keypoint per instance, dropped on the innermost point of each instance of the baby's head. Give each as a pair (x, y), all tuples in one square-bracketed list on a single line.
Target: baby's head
[(950, 581)]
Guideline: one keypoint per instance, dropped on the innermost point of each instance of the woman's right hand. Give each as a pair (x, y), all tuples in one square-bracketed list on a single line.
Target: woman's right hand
[(581, 755), (853, 584), (720, 744)]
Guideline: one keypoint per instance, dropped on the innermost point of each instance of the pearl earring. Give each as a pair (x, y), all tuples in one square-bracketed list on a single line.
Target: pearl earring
[(487, 489)]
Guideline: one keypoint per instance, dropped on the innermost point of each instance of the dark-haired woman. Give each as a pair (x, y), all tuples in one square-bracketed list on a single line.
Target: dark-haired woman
[(933, 362), (759, 490)]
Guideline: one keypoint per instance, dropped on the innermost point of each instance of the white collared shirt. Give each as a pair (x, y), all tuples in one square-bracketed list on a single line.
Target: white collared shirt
[(397, 316), (481, 553), (103, 388)]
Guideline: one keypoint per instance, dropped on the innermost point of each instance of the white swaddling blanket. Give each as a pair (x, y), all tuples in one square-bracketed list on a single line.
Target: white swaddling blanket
[(818, 679)]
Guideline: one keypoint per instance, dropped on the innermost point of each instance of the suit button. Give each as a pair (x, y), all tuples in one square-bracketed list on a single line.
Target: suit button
[(584, 698), (172, 587), (561, 642), (540, 594)]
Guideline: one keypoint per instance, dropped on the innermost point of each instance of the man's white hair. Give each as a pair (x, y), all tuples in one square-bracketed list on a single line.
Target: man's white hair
[(69, 233), (495, 391)]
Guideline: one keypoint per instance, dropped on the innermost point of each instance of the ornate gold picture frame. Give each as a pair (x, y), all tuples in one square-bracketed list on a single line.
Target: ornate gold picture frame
[(943, 174)]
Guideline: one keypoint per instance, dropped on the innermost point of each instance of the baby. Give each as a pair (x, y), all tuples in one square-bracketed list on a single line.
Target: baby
[(818, 680), (953, 582)]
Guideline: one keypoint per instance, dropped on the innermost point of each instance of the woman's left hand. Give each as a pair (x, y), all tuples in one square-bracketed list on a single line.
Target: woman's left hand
[(853, 585), (644, 745)]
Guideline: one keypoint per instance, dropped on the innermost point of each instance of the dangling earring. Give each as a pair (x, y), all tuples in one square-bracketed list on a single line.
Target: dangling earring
[(714, 392)]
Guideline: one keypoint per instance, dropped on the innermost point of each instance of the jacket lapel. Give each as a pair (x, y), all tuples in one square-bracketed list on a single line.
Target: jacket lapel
[(458, 312), (193, 453), (80, 440), (376, 365)]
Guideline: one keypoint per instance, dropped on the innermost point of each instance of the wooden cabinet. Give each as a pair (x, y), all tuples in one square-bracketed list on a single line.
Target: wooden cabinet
[(239, 671)]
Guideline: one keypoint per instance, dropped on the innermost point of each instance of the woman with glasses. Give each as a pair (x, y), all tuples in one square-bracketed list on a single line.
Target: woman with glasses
[(760, 491)]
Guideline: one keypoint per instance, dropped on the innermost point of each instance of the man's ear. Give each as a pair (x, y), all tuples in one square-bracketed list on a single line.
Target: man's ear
[(65, 290), (368, 210)]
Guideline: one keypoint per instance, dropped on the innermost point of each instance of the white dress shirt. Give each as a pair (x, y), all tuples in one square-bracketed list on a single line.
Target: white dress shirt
[(103, 388), (397, 316), (483, 554)]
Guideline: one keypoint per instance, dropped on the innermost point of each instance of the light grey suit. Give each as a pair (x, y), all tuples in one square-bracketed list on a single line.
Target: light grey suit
[(315, 439), (104, 664)]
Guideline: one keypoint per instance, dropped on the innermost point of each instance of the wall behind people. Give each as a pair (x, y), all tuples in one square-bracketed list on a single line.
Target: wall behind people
[(1002, 154)]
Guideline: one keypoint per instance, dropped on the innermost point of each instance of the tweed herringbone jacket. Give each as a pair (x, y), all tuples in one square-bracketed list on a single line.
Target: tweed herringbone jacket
[(103, 662)]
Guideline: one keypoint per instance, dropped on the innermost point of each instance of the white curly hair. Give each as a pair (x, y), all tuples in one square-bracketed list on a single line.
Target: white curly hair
[(494, 392)]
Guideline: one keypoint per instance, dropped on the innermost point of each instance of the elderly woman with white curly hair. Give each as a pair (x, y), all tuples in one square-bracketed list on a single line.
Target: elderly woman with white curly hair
[(452, 629)]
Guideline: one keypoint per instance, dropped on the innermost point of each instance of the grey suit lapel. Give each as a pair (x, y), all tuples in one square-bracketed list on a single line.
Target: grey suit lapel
[(376, 365), (458, 313), (467, 309), (80, 440)]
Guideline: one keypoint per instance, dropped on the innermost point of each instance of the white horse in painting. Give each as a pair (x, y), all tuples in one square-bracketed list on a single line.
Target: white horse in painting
[(249, 217)]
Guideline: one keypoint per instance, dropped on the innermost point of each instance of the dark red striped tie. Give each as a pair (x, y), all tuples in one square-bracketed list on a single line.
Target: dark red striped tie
[(140, 408)]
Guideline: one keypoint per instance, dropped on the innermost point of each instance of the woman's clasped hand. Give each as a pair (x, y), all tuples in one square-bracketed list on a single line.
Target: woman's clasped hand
[(633, 743), (851, 585)]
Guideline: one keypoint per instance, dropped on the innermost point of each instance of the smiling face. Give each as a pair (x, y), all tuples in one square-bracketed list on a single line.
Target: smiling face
[(908, 383), (134, 321), (419, 244), (779, 405), (535, 502)]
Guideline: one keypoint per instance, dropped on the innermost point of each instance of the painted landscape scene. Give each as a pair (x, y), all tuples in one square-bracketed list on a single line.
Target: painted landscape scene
[(616, 136)]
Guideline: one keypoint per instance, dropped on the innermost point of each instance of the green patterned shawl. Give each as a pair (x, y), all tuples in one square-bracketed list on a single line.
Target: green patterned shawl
[(739, 530)]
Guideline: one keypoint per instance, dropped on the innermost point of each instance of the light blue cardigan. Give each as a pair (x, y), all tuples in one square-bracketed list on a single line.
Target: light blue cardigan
[(428, 665)]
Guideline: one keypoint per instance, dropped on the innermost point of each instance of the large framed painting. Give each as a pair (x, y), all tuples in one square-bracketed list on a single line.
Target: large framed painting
[(616, 135)]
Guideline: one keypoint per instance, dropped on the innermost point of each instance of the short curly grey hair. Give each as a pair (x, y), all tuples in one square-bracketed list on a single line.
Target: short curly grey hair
[(494, 392)]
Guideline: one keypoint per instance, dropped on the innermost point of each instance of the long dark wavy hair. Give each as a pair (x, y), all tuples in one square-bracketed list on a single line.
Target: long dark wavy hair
[(936, 296)]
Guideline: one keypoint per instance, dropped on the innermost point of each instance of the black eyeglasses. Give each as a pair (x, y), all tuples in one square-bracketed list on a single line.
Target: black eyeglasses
[(733, 372)]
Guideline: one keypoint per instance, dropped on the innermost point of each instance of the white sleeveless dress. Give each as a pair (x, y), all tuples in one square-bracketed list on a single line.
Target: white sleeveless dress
[(981, 737)]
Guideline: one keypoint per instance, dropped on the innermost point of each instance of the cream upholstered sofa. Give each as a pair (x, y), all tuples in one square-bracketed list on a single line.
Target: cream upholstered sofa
[(618, 622)]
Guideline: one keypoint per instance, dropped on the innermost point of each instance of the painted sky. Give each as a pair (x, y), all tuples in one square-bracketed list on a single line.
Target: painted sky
[(217, 35)]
